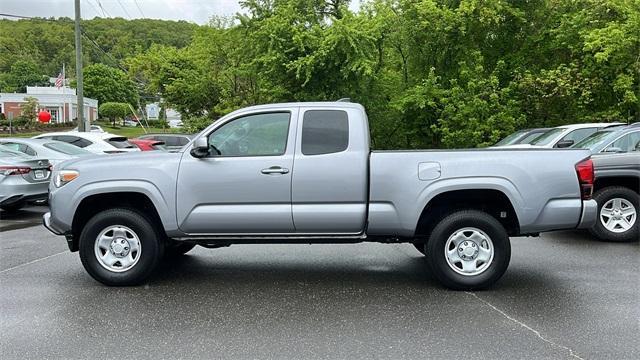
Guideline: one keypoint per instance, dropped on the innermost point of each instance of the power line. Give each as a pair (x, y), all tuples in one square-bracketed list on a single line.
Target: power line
[(104, 12), (94, 7), (19, 16), (124, 9), (139, 8)]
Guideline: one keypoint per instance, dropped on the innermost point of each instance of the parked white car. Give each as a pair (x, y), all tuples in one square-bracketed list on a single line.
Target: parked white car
[(98, 143), (563, 136)]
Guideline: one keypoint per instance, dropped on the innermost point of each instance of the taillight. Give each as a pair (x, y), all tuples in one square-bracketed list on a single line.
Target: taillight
[(14, 170), (585, 177)]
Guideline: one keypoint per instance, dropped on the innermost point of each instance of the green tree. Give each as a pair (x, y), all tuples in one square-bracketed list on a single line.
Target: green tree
[(29, 109), (108, 84), (23, 73), (114, 111)]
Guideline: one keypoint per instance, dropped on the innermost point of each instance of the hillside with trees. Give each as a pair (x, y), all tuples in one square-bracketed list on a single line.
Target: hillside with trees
[(431, 73)]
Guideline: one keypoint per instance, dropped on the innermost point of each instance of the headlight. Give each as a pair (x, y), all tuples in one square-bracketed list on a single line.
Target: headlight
[(63, 177)]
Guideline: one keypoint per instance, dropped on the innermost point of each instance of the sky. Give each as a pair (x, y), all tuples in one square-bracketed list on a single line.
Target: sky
[(197, 11)]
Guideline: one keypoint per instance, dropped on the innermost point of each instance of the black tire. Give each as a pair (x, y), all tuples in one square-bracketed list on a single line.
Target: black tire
[(420, 247), (151, 242), (13, 207), (454, 222), (176, 248), (604, 195)]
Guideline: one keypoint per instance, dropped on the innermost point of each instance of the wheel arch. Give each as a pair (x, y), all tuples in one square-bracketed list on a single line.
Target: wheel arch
[(93, 203), (490, 200), (629, 181)]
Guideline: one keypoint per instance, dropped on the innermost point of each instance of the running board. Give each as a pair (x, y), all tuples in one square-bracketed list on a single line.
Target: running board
[(272, 239)]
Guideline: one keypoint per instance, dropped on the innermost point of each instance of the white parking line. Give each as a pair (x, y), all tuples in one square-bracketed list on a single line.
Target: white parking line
[(32, 262), (534, 331)]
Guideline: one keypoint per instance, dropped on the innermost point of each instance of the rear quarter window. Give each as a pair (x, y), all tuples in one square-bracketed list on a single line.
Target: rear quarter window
[(325, 132)]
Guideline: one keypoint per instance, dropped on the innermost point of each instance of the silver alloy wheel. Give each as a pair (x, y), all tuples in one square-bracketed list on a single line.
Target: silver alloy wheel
[(117, 248), (469, 251), (618, 215)]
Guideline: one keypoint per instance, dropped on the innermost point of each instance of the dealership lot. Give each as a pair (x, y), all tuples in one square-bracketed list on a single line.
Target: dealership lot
[(565, 295)]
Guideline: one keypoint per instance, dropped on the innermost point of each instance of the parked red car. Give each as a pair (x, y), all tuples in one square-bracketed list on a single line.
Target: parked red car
[(148, 145)]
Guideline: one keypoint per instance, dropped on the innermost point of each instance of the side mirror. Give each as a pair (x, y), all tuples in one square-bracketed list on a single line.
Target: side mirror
[(613, 150), (564, 144), (200, 147)]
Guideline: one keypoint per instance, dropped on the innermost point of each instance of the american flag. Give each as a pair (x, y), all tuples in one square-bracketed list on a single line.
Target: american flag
[(59, 81)]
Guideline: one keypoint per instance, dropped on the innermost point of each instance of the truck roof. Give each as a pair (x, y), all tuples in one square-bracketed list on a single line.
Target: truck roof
[(331, 104)]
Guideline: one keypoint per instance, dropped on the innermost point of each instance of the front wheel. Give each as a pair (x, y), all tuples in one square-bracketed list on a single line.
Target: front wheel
[(119, 247), (617, 214), (468, 250)]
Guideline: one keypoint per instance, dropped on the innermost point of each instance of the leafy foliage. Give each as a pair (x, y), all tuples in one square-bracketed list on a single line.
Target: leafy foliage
[(114, 111), (29, 109), (108, 84), (431, 73)]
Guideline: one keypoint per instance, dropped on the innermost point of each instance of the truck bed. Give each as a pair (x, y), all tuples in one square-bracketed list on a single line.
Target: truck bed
[(541, 184)]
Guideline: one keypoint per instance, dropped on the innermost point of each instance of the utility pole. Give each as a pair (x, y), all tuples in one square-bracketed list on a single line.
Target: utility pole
[(80, 113)]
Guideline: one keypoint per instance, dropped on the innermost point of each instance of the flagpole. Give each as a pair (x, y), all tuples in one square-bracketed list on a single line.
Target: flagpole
[(64, 98)]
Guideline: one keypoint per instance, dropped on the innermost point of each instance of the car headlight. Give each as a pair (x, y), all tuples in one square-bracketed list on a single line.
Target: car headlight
[(64, 177)]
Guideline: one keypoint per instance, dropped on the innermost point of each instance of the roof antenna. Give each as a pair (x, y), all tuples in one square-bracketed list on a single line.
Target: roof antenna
[(345, 100)]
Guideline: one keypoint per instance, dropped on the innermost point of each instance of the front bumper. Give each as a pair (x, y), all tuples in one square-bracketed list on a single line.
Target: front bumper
[(46, 221), (589, 214), (51, 226)]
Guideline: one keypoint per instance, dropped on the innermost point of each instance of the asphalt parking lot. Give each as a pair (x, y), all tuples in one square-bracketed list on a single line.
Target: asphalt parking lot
[(565, 295)]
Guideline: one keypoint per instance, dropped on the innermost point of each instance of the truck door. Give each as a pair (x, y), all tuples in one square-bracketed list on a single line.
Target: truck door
[(247, 187), (330, 179)]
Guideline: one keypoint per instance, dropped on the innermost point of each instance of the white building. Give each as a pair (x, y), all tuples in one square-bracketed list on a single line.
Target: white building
[(60, 102)]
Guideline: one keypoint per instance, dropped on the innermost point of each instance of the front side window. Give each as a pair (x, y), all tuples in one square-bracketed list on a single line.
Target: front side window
[(626, 143), (325, 132), (252, 135)]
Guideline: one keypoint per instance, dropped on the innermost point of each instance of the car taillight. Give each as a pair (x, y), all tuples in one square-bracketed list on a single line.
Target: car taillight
[(14, 170), (585, 177)]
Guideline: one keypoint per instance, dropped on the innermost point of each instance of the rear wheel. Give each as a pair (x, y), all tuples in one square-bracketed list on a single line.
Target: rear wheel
[(468, 250), (120, 247), (617, 214)]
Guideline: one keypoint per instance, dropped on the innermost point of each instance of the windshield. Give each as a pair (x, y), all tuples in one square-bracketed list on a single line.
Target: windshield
[(592, 141), (510, 139), (65, 148), (547, 138)]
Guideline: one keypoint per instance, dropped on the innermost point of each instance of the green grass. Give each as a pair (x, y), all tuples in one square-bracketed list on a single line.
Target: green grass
[(129, 132)]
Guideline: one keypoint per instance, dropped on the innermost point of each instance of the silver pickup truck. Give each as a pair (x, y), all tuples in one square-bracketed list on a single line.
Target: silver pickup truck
[(303, 173)]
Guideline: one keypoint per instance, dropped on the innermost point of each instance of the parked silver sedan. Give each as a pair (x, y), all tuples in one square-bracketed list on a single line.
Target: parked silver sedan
[(52, 150), (23, 179)]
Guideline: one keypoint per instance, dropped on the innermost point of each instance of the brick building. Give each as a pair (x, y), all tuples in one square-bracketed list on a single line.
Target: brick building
[(60, 102)]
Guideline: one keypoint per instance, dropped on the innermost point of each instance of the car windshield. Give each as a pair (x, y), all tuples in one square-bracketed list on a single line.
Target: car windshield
[(592, 141), (547, 138), (65, 148), (510, 139)]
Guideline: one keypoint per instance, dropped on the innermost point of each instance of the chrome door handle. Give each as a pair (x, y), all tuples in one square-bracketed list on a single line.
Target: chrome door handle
[(275, 170)]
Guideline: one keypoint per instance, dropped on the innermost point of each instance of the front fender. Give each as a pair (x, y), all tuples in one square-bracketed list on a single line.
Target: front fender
[(162, 204)]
